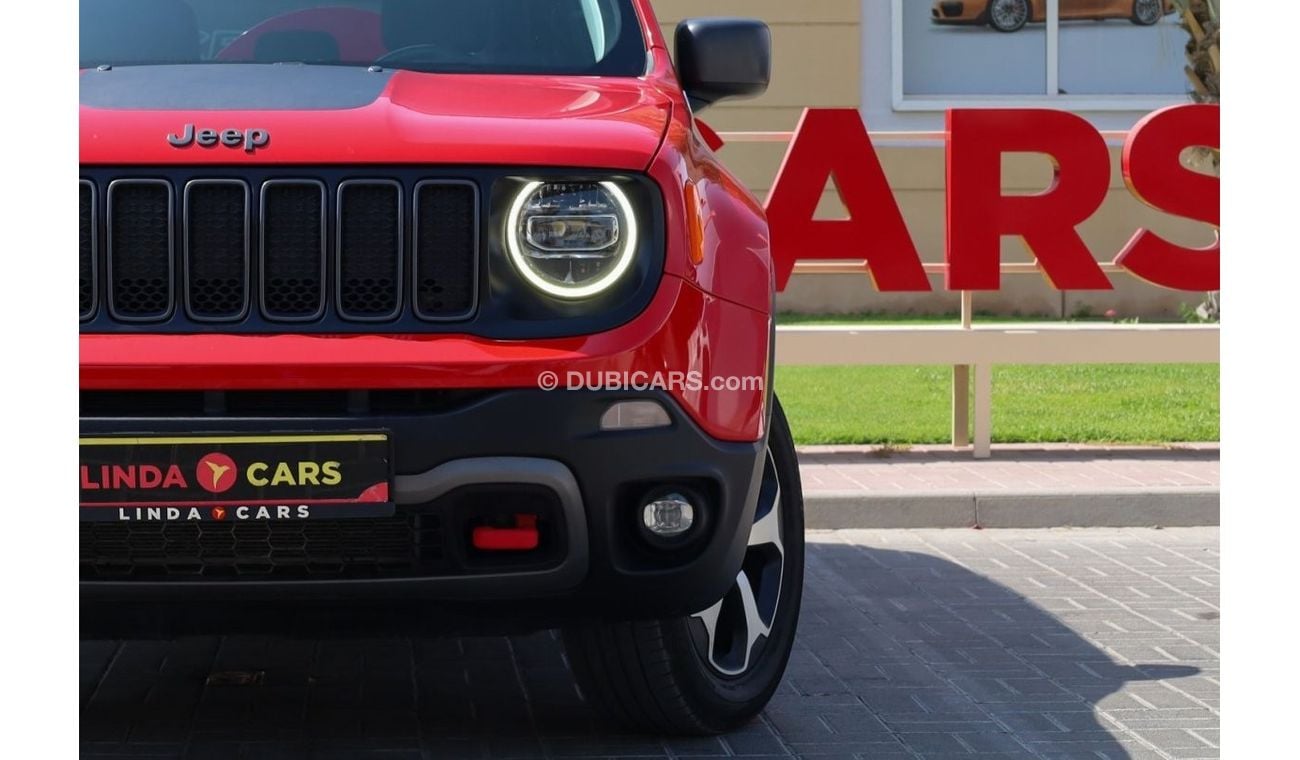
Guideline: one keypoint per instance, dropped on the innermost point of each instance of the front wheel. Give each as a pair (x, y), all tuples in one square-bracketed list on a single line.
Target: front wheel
[(1148, 12), (714, 670), (1009, 15)]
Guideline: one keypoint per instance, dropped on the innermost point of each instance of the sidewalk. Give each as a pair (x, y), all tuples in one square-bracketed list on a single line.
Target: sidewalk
[(1022, 486)]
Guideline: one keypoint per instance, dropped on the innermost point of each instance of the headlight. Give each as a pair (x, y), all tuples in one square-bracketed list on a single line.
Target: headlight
[(572, 239)]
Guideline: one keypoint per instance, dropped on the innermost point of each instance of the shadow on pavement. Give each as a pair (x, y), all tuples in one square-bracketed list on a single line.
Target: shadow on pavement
[(900, 654), (911, 648)]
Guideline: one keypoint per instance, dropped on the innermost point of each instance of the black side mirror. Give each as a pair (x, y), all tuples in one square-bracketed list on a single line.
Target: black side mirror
[(719, 58)]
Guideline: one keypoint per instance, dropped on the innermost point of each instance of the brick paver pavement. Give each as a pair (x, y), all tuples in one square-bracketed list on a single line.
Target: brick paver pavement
[(913, 644), (935, 469)]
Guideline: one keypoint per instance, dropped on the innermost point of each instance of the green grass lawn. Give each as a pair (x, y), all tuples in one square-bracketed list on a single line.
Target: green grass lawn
[(1147, 404)]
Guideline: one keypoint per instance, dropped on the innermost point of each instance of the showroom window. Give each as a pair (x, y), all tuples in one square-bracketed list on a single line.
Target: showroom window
[(1096, 55)]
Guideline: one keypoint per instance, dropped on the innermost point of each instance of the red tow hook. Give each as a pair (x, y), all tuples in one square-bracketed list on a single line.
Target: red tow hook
[(523, 537)]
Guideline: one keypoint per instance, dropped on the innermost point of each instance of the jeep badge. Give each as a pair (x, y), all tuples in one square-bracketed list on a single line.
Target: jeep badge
[(250, 139)]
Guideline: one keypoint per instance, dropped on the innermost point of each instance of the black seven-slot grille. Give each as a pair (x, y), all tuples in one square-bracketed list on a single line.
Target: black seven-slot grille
[(282, 250)]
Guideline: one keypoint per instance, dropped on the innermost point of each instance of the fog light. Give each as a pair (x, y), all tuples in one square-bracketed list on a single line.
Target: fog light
[(669, 516), (635, 415)]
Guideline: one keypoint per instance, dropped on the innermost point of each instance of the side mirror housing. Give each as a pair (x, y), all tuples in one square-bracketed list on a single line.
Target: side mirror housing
[(720, 58)]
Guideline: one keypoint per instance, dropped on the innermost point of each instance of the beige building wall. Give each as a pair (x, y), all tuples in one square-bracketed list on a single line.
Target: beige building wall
[(818, 63)]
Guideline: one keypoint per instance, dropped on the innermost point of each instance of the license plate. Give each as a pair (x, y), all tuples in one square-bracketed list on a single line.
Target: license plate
[(143, 478)]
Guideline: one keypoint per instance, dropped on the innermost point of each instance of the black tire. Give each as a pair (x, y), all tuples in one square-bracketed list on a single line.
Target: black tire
[(1147, 12), (1009, 15), (655, 676)]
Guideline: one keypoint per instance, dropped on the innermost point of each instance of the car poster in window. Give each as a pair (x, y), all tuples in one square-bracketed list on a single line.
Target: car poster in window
[(1000, 48)]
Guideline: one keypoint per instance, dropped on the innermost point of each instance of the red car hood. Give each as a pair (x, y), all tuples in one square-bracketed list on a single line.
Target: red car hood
[(338, 115)]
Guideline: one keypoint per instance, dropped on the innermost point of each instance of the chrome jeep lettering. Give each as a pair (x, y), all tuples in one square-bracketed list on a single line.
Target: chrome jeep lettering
[(184, 138), (249, 139)]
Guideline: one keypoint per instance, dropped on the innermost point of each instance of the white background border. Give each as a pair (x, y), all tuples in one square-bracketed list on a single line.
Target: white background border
[(1261, 503), (38, 554), (1261, 507)]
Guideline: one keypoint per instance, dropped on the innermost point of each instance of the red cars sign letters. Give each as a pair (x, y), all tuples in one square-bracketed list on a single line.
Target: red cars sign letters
[(835, 144)]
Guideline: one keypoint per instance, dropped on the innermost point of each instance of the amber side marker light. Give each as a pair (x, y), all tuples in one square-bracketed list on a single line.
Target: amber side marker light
[(694, 226)]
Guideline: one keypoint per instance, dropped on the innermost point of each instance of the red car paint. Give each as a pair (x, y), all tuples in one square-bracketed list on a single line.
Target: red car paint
[(463, 119), (712, 314)]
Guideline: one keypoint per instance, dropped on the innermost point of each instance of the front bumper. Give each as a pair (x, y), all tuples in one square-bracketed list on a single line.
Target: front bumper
[(497, 438), (684, 329)]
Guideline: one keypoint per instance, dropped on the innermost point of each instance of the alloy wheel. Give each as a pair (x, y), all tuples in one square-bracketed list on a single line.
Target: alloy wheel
[(731, 634), (1009, 15), (1148, 11)]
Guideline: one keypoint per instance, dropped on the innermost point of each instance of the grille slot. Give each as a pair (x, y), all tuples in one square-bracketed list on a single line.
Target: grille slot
[(369, 250), (446, 237), (293, 250), (410, 544), (140, 249), (88, 281), (216, 249)]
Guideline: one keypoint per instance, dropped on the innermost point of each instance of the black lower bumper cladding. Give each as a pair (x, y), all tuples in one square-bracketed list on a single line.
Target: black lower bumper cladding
[(458, 459)]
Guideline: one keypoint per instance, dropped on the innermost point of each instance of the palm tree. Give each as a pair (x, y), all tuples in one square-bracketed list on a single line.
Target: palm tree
[(1201, 20)]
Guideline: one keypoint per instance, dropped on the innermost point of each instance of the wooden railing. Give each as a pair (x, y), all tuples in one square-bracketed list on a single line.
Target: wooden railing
[(973, 350)]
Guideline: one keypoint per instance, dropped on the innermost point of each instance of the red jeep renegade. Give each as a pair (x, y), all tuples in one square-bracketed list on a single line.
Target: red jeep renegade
[(398, 312)]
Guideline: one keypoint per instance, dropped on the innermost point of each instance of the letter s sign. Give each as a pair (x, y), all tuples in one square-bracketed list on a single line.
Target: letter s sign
[(1154, 172)]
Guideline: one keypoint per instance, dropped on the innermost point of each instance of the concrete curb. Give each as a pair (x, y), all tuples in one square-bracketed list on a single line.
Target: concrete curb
[(1100, 508)]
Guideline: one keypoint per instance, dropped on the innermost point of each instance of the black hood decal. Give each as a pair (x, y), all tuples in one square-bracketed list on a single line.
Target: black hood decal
[(232, 87)]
